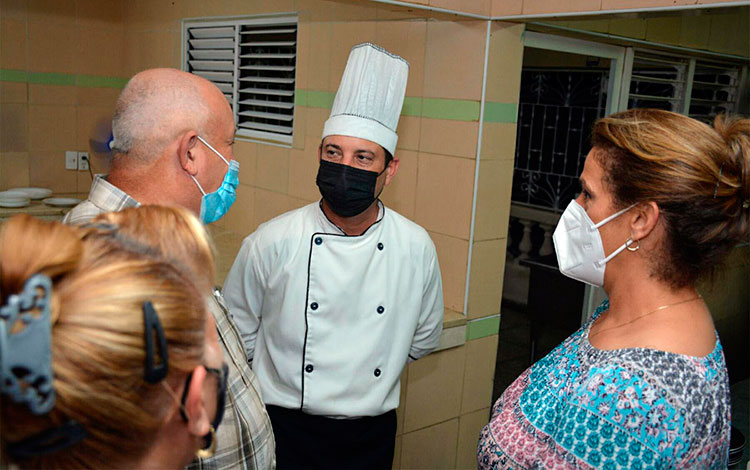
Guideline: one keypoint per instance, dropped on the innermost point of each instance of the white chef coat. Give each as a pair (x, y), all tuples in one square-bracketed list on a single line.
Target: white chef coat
[(329, 320)]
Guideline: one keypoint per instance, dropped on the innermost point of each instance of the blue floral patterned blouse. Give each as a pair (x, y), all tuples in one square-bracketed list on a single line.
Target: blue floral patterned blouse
[(581, 407)]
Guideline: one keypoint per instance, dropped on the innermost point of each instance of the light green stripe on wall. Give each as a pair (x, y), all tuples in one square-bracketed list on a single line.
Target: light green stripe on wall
[(500, 112), (13, 76), (62, 79), (482, 327), (456, 110)]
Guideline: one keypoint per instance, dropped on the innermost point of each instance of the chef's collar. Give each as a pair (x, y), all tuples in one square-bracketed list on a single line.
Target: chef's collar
[(333, 226)]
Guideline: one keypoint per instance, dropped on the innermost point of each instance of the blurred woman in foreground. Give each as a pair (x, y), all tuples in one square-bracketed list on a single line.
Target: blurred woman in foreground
[(643, 384), (109, 358)]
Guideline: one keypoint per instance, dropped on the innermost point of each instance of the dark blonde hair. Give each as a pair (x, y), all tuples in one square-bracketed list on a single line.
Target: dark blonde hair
[(174, 232), (100, 283), (698, 175)]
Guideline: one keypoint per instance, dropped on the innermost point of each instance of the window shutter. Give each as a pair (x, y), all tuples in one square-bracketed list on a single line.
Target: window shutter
[(658, 81), (253, 61), (210, 53), (715, 90)]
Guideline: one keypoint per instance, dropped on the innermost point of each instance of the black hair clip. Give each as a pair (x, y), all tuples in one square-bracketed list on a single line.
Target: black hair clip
[(154, 373)]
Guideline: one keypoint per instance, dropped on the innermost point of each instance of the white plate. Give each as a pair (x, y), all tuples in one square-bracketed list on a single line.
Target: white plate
[(14, 202), (61, 201), (32, 193)]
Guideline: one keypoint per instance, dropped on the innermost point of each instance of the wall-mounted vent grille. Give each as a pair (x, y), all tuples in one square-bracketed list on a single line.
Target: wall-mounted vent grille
[(253, 62)]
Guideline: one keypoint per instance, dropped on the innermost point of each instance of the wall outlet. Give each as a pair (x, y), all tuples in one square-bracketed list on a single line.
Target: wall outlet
[(83, 161), (71, 160)]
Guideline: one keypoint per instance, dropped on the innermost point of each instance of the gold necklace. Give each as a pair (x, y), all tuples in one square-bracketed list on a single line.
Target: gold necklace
[(663, 307)]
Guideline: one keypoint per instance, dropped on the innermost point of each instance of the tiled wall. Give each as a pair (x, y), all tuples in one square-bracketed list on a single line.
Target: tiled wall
[(495, 8), (60, 73)]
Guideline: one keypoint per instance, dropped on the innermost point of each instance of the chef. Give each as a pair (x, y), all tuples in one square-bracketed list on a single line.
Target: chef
[(333, 298)]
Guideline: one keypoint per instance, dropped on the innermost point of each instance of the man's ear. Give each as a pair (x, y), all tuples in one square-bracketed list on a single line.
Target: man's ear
[(391, 169), (199, 423), (186, 146), (643, 220)]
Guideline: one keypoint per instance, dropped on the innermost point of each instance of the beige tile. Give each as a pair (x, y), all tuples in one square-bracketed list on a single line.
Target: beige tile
[(445, 137), (507, 7), (245, 154), (90, 121), (452, 254), (315, 10), (100, 51), (12, 44), (407, 39), (319, 65), (240, 218), (724, 37), (476, 7), (52, 48), (84, 180), (354, 10), (303, 169), (14, 168), (479, 374), (444, 194), (447, 44), (316, 118), (144, 15), (272, 168), (14, 9), (695, 31), (47, 170), (344, 36), (486, 283), (535, 7), (663, 30), (144, 50), (13, 124), (12, 92), (269, 204), (401, 410), (493, 199), (599, 26), (504, 63), (396, 465), (52, 128), (628, 27), (97, 96), (430, 448), (401, 195), (99, 14), (628, 4), (498, 141), (438, 371), (469, 427), (52, 94), (52, 11), (300, 127), (408, 132)]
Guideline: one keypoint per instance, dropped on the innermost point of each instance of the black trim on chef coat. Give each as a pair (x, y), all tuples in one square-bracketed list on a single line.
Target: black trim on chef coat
[(307, 293)]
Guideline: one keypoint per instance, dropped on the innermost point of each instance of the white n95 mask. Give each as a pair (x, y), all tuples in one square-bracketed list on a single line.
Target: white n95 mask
[(578, 245)]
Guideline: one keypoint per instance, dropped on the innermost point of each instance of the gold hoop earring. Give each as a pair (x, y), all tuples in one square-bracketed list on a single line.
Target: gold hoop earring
[(637, 247), (209, 451)]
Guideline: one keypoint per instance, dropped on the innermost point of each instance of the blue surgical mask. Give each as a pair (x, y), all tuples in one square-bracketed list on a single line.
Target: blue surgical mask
[(214, 205)]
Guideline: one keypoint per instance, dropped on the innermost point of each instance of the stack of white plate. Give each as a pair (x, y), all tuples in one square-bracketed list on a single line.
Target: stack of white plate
[(32, 193), (11, 199)]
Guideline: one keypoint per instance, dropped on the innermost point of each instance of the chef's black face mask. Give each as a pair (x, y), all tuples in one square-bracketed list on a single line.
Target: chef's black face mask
[(347, 190)]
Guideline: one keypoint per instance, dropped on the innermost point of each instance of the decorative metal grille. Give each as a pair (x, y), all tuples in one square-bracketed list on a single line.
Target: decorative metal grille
[(715, 90), (556, 111)]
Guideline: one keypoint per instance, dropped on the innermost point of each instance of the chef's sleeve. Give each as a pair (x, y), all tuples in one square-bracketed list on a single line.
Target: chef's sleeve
[(430, 325), (243, 293)]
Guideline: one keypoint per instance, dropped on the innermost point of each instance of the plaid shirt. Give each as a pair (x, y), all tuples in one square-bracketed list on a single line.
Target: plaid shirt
[(245, 438)]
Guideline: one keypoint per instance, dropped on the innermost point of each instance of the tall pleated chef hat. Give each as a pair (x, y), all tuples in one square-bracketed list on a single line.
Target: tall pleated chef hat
[(370, 96)]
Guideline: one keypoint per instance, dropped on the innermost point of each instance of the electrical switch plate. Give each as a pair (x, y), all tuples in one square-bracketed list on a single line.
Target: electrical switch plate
[(83, 161), (71, 160)]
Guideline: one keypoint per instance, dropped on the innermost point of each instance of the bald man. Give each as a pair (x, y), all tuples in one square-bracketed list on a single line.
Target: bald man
[(173, 136)]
